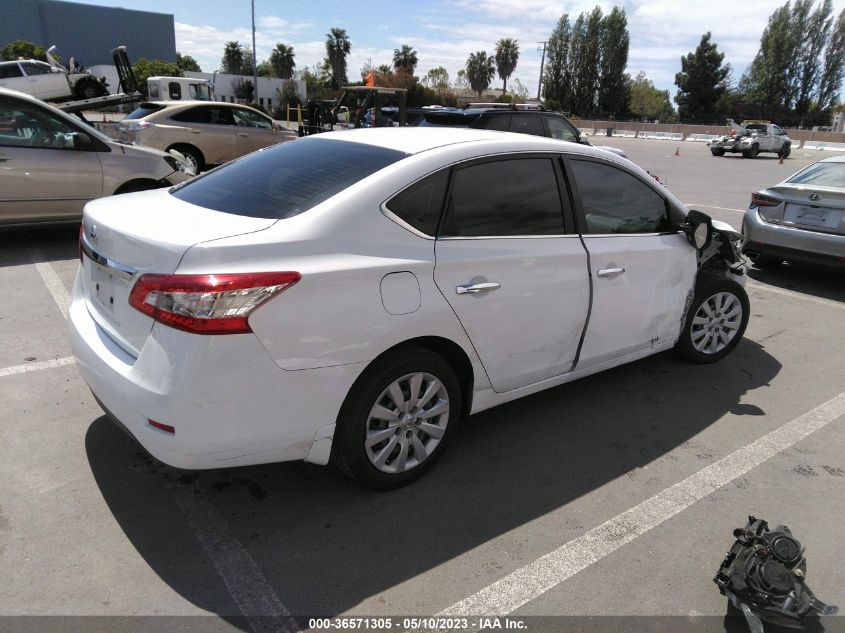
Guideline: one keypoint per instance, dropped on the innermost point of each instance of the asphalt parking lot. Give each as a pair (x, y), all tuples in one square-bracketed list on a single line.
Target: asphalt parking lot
[(614, 496)]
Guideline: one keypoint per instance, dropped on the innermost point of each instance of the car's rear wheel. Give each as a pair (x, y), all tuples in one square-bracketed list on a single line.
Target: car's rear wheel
[(715, 322), (88, 88), (397, 419), (192, 155), (717, 152)]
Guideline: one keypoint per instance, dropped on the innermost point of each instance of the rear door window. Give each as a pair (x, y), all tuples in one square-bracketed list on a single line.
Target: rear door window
[(286, 179), (501, 123), (527, 125), (505, 198)]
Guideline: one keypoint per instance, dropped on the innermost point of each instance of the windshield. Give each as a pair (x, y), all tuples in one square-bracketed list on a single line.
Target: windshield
[(821, 175), (286, 179)]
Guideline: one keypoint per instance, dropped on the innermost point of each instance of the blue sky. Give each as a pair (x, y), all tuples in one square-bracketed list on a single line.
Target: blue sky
[(445, 32)]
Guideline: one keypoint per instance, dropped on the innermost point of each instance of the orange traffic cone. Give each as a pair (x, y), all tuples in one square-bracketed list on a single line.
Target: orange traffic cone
[(678, 150)]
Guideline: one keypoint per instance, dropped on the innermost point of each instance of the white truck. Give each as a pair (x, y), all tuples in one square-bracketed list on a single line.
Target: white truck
[(750, 138), (179, 89)]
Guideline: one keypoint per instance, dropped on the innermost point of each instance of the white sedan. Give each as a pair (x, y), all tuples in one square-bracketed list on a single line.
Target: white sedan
[(352, 295)]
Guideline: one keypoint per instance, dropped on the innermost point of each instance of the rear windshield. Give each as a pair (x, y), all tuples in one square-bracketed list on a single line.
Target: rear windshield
[(286, 179), (145, 109), (822, 175)]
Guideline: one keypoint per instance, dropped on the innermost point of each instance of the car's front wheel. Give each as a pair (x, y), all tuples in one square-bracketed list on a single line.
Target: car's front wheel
[(397, 419), (717, 152), (715, 322)]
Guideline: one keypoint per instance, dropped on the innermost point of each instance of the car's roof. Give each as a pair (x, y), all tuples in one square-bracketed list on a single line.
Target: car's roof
[(413, 140), (197, 102), (834, 159)]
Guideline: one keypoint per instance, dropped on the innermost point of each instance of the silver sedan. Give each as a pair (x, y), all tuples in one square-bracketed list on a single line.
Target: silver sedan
[(799, 219)]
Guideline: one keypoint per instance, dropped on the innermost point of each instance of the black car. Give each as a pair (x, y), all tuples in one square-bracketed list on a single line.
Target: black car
[(537, 122)]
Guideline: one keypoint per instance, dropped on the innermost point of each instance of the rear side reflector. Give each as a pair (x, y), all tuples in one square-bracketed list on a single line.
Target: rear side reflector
[(207, 304), (163, 427)]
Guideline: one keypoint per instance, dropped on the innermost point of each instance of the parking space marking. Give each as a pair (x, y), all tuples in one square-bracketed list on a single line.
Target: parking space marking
[(45, 364), (534, 579), (247, 585), (710, 206), (756, 285), (51, 280)]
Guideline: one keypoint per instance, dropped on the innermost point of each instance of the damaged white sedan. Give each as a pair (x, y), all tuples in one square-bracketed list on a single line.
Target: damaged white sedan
[(351, 296)]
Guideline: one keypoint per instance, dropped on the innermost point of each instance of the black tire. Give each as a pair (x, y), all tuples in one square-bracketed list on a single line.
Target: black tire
[(717, 152), (766, 262), (193, 154), (89, 89), (751, 153), (704, 292), (349, 452), (785, 152), (137, 185)]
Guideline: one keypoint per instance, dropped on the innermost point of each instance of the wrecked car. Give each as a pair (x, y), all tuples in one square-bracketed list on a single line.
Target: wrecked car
[(750, 138), (437, 273), (50, 81)]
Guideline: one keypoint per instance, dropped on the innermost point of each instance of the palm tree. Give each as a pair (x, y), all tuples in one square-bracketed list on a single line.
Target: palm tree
[(233, 58), (507, 54), (282, 62), (337, 48), (405, 59), (480, 71)]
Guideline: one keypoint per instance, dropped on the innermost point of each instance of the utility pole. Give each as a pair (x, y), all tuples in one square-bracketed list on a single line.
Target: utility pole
[(542, 62), (254, 62)]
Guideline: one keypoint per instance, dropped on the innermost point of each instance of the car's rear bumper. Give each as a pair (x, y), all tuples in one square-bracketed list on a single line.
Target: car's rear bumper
[(229, 403), (791, 243)]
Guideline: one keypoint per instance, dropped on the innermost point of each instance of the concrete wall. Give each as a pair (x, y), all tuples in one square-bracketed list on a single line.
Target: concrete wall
[(88, 32), (686, 130)]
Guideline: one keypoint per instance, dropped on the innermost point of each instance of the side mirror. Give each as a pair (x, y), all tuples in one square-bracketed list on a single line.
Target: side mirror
[(698, 228), (584, 141), (82, 141)]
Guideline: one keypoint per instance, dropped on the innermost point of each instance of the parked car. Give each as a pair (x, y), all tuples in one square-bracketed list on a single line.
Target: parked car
[(523, 121), (799, 219), (353, 294), (751, 138), (52, 163), (205, 132), (50, 81)]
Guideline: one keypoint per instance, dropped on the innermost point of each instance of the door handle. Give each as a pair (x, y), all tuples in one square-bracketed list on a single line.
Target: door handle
[(193, 131), (244, 134), (610, 272), (473, 289)]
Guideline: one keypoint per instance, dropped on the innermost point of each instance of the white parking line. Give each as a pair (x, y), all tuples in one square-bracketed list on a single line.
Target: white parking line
[(45, 364), (51, 280), (247, 585), (528, 582), (756, 285), (710, 206)]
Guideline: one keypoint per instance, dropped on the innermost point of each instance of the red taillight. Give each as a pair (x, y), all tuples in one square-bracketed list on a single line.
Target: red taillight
[(207, 304), (163, 427), (759, 200)]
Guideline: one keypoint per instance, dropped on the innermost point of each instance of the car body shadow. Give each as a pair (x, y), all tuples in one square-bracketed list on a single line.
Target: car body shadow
[(326, 544), (818, 281), (19, 244)]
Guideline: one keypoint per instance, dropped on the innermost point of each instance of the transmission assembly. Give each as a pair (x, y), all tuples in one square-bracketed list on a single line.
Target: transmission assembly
[(763, 576)]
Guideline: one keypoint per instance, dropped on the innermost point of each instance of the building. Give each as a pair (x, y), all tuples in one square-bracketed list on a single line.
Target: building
[(265, 93), (87, 32)]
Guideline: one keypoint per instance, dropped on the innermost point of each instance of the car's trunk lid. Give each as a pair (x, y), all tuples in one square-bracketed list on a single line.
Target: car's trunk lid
[(820, 209), (127, 236)]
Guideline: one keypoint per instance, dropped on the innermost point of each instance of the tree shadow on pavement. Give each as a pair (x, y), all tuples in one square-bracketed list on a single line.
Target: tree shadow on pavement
[(326, 544)]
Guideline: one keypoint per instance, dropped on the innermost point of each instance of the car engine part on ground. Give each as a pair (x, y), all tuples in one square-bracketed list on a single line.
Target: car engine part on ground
[(763, 575)]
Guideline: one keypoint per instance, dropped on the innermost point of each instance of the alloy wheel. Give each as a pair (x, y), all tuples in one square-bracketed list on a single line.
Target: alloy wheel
[(406, 422), (716, 323)]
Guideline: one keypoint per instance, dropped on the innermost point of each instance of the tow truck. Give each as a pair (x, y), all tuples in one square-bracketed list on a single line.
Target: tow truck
[(750, 138), (365, 106)]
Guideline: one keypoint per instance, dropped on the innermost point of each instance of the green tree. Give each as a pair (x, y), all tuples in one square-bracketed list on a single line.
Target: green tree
[(22, 49), (814, 38), (769, 76), (145, 68), (282, 60), (405, 59), (338, 47), (507, 56), (264, 69), (649, 102), (186, 62), (584, 55), (612, 87), (244, 89), (557, 76), (480, 70), (461, 80), (234, 59), (437, 79), (834, 58), (701, 82)]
